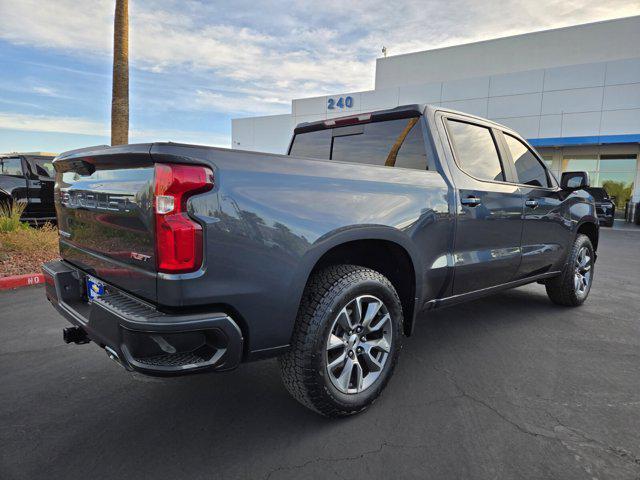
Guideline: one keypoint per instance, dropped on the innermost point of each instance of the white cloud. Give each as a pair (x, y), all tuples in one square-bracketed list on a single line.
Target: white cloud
[(83, 126), (247, 57), (47, 123), (284, 45), (46, 91), (180, 136)]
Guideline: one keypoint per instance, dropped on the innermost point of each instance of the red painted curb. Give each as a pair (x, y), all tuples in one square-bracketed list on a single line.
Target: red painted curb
[(16, 281)]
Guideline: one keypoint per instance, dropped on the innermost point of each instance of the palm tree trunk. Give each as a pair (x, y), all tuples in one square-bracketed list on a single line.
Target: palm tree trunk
[(120, 92)]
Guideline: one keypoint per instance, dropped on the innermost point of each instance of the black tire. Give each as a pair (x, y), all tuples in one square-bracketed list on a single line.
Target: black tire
[(562, 290), (304, 367)]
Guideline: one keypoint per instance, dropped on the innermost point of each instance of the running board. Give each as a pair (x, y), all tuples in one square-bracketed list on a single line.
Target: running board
[(464, 297)]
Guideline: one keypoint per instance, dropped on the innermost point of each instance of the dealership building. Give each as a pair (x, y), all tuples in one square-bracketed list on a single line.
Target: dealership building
[(573, 92)]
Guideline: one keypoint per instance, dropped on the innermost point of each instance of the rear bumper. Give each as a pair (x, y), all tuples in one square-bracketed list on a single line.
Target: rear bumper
[(140, 337)]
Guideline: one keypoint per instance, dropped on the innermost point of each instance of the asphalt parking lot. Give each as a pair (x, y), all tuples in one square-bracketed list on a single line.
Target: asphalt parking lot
[(505, 387)]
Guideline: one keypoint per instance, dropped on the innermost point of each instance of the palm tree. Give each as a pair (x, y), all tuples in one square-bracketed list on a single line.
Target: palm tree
[(120, 92)]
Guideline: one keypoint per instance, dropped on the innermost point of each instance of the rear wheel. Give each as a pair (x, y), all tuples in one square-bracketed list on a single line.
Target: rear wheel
[(572, 287), (346, 341)]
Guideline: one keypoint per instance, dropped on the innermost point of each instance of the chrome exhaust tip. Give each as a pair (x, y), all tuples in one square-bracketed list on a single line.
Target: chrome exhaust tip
[(113, 356)]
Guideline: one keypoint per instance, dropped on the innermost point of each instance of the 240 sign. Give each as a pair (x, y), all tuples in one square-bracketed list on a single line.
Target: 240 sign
[(341, 102)]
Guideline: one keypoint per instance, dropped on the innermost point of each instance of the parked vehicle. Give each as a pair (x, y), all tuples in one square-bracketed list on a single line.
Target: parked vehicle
[(29, 179), (605, 205), (181, 258)]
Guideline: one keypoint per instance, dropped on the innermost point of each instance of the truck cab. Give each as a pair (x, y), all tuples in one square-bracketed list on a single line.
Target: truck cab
[(29, 179)]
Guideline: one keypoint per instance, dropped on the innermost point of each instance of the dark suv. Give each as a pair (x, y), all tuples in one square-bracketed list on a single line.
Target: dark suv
[(605, 206), (29, 179)]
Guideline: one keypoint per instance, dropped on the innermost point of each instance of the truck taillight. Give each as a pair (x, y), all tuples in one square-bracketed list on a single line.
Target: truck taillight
[(178, 237)]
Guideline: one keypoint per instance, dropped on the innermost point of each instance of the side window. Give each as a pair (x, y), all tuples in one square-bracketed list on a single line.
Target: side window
[(393, 143), (529, 169), (43, 167), (412, 153), (476, 151), (11, 166), (312, 144)]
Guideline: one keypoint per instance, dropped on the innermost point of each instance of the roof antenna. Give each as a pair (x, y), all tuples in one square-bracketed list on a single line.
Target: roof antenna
[(384, 51)]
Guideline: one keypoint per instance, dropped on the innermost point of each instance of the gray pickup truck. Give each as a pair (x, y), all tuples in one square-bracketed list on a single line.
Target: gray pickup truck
[(181, 258)]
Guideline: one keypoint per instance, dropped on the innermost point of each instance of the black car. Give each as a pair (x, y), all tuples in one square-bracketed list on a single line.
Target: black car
[(29, 179), (605, 208)]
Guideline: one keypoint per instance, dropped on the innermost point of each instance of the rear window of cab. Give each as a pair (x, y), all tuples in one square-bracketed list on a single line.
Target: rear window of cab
[(392, 143)]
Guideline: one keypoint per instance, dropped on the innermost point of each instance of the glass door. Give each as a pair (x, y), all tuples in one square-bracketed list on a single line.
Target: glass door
[(616, 175)]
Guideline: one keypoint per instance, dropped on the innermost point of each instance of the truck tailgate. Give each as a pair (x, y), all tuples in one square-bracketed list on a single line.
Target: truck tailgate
[(104, 204)]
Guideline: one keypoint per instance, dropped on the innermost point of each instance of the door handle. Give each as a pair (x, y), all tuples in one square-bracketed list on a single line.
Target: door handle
[(470, 201), (531, 203)]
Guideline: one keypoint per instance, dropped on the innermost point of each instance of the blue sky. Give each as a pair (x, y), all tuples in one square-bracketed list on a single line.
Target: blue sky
[(195, 65)]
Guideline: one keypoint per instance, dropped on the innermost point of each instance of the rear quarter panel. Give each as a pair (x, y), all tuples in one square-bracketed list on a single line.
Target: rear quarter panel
[(271, 217)]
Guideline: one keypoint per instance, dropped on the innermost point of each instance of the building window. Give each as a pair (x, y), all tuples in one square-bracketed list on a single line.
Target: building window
[(615, 173)]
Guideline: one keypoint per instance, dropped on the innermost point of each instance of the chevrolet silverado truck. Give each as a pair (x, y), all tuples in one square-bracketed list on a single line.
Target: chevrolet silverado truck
[(179, 259)]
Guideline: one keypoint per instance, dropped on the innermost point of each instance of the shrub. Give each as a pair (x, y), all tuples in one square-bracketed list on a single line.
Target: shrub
[(10, 217), (25, 249)]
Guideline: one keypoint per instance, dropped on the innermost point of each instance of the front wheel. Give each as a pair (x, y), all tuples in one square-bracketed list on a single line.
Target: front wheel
[(346, 341), (572, 287)]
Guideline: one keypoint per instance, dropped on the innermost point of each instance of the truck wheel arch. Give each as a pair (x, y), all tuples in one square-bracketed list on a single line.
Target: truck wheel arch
[(384, 249), (590, 229)]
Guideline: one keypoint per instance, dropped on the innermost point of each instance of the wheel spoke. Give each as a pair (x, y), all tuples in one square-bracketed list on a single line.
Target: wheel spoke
[(378, 325), (372, 310), (345, 320), (576, 282), (372, 362), (359, 376), (334, 342), (380, 344), (357, 312), (345, 377), (584, 261), (338, 361)]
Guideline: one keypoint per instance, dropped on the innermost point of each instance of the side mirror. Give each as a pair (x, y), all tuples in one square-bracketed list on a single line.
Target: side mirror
[(574, 180)]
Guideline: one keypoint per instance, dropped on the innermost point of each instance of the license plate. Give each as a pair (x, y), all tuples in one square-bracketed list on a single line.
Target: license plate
[(95, 288)]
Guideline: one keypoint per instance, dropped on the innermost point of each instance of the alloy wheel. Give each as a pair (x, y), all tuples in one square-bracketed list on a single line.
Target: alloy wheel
[(583, 272), (359, 344)]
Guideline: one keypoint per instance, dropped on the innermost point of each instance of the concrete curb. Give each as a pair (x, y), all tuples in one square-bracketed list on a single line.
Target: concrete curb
[(16, 281)]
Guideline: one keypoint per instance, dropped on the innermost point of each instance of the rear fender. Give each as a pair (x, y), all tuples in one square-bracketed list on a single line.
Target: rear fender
[(355, 233)]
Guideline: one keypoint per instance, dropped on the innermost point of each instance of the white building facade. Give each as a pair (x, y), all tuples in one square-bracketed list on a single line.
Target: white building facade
[(573, 92)]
